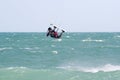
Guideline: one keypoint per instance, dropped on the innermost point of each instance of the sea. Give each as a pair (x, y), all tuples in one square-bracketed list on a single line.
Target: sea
[(75, 56)]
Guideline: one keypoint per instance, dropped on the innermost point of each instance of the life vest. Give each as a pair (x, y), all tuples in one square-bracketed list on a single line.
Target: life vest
[(55, 34)]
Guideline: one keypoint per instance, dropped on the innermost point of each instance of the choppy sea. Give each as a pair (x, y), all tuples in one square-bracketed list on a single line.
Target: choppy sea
[(76, 56)]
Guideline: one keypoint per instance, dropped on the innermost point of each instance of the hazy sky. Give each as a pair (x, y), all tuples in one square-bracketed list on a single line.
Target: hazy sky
[(71, 15)]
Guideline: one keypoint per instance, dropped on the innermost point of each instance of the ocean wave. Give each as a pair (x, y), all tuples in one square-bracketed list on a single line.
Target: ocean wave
[(24, 73), (57, 40), (55, 52), (92, 40), (118, 36), (67, 36), (53, 46), (22, 69), (105, 68), (31, 48), (15, 69), (110, 46), (5, 48)]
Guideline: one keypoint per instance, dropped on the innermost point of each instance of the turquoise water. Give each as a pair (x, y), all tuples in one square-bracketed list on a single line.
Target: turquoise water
[(76, 56)]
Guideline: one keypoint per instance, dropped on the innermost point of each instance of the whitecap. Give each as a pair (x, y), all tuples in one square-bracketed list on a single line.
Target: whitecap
[(72, 49), (118, 36), (55, 52), (92, 40), (67, 36), (17, 69), (57, 40), (28, 48), (5, 48), (14, 68), (105, 68)]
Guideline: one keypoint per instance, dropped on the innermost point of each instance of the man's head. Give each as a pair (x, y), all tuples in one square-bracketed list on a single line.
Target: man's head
[(49, 29)]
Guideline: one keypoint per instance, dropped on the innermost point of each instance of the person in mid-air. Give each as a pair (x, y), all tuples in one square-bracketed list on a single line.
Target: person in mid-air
[(54, 34)]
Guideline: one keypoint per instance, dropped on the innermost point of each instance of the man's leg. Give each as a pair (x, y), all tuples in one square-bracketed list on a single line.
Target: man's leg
[(60, 34)]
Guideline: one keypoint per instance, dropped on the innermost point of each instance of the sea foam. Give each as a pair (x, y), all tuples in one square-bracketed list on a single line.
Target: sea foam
[(105, 68), (92, 40), (5, 48)]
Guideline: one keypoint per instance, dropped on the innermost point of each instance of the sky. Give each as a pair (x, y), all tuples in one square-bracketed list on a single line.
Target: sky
[(70, 15)]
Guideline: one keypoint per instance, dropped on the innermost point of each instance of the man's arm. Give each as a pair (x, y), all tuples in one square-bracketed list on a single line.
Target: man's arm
[(48, 34)]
